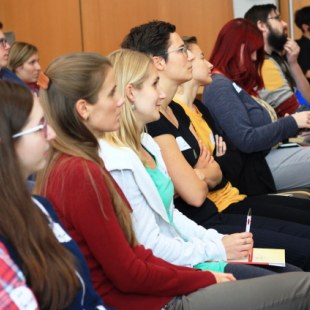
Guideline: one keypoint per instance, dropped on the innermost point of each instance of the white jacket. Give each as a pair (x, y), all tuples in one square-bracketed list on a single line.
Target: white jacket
[(184, 243)]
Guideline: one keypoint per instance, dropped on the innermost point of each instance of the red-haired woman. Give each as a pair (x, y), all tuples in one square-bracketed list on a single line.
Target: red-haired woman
[(248, 124)]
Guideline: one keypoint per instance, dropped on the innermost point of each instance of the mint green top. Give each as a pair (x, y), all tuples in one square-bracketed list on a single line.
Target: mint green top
[(164, 186), (212, 266), (165, 189)]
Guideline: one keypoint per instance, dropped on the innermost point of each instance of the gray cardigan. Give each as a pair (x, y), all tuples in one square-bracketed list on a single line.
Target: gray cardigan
[(243, 121)]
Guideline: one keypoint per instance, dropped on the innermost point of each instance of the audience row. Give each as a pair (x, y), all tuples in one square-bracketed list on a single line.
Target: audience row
[(128, 218)]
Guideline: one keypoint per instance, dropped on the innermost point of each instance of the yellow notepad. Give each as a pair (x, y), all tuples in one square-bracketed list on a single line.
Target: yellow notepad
[(272, 257)]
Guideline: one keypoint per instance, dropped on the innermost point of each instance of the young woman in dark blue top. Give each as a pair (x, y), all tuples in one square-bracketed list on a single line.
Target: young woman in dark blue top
[(53, 266)]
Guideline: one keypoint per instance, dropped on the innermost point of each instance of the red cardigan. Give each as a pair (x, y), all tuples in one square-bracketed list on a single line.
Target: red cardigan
[(125, 277)]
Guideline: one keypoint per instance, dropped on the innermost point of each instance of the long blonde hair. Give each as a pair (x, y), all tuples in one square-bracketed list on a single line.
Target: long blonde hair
[(73, 77), (130, 67)]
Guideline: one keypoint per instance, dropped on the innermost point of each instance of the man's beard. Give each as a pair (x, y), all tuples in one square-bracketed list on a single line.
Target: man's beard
[(276, 40)]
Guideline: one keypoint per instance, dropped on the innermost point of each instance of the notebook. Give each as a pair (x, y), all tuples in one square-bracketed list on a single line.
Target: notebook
[(260, 256)]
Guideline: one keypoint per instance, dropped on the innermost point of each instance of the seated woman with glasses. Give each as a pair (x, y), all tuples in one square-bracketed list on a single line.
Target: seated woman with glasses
[(50, 260)]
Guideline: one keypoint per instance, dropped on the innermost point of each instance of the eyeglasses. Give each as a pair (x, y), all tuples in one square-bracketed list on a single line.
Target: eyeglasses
[(42, 127), (277, 17), (182, 49), (3, 42)]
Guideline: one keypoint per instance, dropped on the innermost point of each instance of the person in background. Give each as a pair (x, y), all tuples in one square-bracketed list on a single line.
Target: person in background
[(82, 103), (193, 171), (281, 75), (51, 262), (227, 197), (5, 73), (14, 292), (24, 62), (134, 160), (246, 122), (302, 21)]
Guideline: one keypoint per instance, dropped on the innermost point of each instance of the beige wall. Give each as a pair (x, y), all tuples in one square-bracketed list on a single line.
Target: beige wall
[(52, 25), (62, 26), (105, 23)]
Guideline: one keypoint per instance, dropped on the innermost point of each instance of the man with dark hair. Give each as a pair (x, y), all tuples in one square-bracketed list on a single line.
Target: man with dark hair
[(151, 38), (171, 58), (302, 21), (5, 73), (281, 74)]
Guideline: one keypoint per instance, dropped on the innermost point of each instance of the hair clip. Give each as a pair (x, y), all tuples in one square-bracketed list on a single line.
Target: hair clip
[(43, 81)]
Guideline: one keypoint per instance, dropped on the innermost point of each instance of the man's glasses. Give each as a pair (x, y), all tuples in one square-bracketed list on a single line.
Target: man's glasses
[(277, 17), (182, 49), (3, 42), (42, 127)]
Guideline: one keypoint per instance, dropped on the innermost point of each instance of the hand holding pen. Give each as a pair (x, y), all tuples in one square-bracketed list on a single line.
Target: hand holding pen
[(239, 245)]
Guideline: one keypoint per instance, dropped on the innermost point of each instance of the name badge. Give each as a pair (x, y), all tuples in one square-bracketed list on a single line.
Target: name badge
[(183, 145), (24, 298), (212, 138), (237, 88), (60, 234)]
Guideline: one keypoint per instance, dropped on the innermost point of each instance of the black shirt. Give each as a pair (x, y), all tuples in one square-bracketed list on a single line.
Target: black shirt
[(304, 55)]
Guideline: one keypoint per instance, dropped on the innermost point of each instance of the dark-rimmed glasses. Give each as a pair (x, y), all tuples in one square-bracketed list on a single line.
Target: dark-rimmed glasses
[(3, 42)]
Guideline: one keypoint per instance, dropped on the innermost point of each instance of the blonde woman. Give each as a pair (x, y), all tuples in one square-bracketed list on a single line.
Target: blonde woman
[(82, 103), (135, 162)]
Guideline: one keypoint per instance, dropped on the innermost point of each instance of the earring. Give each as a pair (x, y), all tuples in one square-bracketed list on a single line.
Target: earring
[(133, 107)]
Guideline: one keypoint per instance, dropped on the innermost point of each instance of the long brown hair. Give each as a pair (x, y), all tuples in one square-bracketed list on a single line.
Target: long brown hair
[(73, 77), (48, 267)]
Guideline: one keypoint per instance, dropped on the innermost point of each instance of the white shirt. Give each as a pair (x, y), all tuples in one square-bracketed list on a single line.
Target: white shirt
[(184, 243)]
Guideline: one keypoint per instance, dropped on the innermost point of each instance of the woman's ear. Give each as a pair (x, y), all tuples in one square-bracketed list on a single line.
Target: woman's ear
[(130, 92), (83, 109)]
